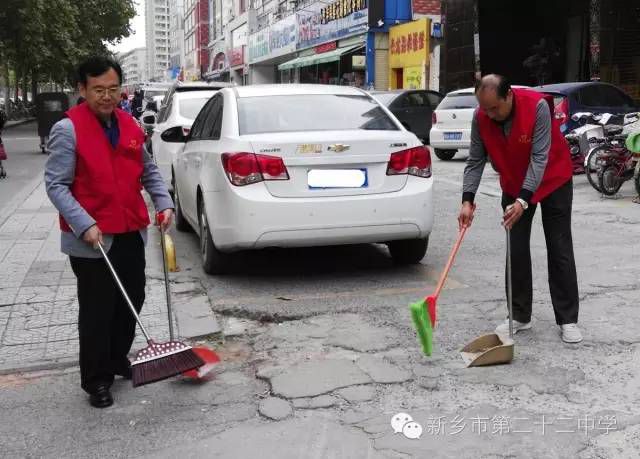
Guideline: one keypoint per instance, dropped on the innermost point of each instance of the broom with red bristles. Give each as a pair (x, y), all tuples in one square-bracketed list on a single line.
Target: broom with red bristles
[(209, 357), (157, 361)]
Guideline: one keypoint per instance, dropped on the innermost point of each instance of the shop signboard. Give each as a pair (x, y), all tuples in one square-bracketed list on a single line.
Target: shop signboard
[(282, 36), (259, 46), (412, 78), (237, 56), (322, 22), (409, 44)]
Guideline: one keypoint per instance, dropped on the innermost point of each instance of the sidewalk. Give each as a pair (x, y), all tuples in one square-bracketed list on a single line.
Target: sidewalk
[(13, 123), (38, 304)]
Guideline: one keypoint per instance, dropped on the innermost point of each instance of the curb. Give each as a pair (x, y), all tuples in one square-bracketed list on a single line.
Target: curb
[(42, 366), (17, 123)]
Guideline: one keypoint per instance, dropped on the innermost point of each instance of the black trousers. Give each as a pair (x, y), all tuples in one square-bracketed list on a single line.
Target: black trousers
[(563, 282), (105, 324)]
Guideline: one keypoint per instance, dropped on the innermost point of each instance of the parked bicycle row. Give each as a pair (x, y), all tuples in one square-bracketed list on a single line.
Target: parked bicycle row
[(606, 148)]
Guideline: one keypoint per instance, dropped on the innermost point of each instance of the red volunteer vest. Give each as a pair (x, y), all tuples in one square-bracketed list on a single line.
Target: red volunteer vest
[(107, 180), (511, 155)]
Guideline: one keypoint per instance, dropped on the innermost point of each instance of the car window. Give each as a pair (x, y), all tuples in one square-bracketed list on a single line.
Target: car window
[(458, 101), (433, 99), (164, 112), (199, 125), (603, 96), (214, 119), (189, 108), (415, 99), (386, 98), (311, 112)]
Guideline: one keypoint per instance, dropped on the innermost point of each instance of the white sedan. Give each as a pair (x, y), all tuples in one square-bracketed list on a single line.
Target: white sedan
[(172, 124), (302, 165), (451, 123)]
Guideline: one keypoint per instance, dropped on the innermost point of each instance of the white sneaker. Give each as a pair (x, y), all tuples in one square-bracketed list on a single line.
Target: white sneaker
[(503, 328), (571, 333)]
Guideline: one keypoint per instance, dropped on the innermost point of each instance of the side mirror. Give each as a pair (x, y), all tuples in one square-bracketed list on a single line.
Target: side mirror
[(149, 119), (174, 135)]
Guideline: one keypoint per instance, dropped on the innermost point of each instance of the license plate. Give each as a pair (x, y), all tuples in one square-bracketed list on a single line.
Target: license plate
[(453, 136), (337, 178)]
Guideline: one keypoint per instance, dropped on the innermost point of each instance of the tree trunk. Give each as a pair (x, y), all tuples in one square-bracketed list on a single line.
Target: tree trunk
[(34, 86), (7, 88)]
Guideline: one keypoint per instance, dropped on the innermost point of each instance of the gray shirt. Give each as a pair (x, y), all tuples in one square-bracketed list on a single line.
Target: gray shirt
[(540, 146), (59, 175)]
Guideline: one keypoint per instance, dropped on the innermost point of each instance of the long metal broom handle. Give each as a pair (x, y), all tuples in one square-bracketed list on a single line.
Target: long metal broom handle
[(167, 288), (124, 293), (509, 292)]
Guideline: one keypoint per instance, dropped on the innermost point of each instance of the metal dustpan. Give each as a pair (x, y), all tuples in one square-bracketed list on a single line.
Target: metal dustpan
[(493, 349)]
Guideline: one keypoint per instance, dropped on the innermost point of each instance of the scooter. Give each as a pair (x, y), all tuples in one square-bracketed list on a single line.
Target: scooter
[(581, 139)]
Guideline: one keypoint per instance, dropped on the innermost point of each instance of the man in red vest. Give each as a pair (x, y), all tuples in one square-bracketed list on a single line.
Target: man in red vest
[(94, 176), (516, 130)]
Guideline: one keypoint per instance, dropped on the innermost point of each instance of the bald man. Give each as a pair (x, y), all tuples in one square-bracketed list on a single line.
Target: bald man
[(516, 129)]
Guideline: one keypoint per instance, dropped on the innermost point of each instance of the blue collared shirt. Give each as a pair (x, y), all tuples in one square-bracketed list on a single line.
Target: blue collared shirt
[(59, 175)]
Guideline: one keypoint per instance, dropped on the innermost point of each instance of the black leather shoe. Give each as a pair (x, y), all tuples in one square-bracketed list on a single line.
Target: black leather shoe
[(101, 398)]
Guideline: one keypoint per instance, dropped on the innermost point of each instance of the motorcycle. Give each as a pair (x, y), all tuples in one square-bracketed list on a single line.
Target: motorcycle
[(582, 138)]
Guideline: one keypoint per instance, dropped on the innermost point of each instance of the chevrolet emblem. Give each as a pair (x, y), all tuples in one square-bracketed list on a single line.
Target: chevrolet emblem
[(338, 147)]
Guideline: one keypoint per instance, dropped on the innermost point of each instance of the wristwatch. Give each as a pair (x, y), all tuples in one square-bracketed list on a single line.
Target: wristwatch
[(523, 203)]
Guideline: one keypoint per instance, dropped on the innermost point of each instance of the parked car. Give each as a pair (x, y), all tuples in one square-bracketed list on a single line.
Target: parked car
[(412, 107), (188, 86), (589, 96), (301, 165), (179, 114), (451, 123)]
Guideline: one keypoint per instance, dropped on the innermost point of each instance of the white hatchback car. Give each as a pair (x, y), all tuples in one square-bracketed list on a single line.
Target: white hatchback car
[(179, 114), (302, 165), (451, 123)]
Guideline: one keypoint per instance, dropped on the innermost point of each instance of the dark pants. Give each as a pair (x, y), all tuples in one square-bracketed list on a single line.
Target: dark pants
[(105, 324), (563, 283)]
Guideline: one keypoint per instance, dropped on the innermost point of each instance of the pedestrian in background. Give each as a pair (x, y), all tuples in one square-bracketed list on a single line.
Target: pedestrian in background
[(136, 103), (94, 176), (3, 153), (124, 103), (515, 128)]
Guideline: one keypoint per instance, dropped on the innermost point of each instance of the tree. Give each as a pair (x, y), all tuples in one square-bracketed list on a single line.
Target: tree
[(43, 40)]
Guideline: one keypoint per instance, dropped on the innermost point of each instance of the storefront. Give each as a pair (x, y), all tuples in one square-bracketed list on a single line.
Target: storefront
[(329, 64), (409, 55), (270, 47), (330, 41), (237, 67), (542, 42)]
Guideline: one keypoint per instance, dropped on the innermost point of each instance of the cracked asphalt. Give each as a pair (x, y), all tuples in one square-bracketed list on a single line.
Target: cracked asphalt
[(318, 354)]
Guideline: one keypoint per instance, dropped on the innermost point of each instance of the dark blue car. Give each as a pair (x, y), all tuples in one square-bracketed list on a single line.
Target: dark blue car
[(588, 96)]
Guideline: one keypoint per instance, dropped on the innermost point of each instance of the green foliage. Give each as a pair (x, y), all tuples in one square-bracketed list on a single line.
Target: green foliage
[(45, 39)]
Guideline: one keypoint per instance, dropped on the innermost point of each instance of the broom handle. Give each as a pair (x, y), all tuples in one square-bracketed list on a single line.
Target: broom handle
[(509, 290), (124, 293), (452, 256), (167, 287)]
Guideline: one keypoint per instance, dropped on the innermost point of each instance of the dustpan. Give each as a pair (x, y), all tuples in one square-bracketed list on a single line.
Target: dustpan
[(493, 349)]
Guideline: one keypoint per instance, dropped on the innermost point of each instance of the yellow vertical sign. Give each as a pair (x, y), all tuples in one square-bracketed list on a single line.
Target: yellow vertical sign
[(408, 53)]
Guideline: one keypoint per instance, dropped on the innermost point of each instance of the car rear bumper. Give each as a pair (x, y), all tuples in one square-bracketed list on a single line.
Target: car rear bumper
[(436, 138), (251, 218)]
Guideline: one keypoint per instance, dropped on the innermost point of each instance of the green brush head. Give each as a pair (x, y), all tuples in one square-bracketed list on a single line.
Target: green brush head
[(422, 322)]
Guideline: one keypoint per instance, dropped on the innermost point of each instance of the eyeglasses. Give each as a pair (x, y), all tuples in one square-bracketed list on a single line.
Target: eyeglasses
[(113, 91)]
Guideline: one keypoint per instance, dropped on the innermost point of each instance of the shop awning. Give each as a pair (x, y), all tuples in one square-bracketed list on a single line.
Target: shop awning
[(315, 59)]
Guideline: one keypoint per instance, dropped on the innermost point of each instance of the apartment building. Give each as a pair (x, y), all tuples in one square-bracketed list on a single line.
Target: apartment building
[(134, 67), (176, 36), (196, 38), (157, 21)]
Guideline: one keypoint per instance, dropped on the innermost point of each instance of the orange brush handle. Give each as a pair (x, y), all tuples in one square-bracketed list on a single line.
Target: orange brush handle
[(447, 268)]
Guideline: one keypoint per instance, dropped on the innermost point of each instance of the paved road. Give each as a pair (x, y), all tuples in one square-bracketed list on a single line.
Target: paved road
[(318, 355)]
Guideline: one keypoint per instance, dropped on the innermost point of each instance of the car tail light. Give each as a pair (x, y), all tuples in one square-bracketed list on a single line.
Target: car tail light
[(247, 168), (562, 113), (434, 118), (414, 161)]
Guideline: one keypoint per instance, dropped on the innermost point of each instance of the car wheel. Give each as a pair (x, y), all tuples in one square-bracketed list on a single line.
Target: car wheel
[(181, 223), (408, 251), (444, 155), (213, 261)]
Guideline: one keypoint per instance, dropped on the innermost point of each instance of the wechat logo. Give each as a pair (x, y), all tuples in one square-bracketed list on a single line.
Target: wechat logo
[(404, 424)]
